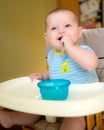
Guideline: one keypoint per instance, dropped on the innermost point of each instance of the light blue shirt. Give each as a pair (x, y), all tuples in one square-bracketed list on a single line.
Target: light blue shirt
[(66, 68)]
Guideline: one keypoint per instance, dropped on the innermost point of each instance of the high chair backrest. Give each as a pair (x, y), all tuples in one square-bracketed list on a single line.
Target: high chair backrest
[(95, 39)]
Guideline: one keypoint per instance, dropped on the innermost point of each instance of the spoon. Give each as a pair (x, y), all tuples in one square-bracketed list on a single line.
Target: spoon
[(62, 49)]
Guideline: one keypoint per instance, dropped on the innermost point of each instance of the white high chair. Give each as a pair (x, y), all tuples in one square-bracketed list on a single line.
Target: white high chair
[(23, 95)]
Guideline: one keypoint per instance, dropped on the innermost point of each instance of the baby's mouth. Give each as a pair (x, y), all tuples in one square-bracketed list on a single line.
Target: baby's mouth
[(60, 38)]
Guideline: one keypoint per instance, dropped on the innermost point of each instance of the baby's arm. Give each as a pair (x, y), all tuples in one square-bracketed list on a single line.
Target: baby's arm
[(39, 76), (85, 58)]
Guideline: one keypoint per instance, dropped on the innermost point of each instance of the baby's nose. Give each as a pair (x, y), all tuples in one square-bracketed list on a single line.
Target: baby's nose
[(61, 31)]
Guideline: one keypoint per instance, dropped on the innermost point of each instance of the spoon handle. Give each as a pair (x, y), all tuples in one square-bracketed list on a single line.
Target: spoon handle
[(62, 51)]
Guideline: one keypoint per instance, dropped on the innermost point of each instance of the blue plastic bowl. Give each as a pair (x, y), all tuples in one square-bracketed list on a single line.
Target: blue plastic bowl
[(54, 89)]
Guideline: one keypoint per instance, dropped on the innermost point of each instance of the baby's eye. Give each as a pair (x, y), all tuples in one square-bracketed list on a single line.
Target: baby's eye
[(53, 28), (68, 25)]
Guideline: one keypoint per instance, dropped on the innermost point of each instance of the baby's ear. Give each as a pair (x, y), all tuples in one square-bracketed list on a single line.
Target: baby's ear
[(45, 36)]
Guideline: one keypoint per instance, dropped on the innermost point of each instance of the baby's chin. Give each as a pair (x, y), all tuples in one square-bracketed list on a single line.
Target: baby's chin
[(58, 49)]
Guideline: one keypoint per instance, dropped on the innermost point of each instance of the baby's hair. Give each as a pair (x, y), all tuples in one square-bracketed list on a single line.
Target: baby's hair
[(61, 9)]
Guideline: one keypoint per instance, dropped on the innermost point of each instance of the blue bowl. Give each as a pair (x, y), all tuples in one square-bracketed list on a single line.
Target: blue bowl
[(54, 89)]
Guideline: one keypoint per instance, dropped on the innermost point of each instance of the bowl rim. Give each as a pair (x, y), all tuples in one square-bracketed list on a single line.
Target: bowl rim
[(53, 83)]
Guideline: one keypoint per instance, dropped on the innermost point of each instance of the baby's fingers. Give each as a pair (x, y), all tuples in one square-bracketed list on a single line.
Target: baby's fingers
[(33, 76)]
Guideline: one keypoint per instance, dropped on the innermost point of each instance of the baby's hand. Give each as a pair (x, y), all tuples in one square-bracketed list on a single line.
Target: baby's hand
[(38, 76), (67, 41)]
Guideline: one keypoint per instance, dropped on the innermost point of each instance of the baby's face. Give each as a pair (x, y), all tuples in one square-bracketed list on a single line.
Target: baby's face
[(60, 24)]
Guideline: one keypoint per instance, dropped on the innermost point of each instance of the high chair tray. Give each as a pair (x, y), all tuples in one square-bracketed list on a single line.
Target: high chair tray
[(21, 94)]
